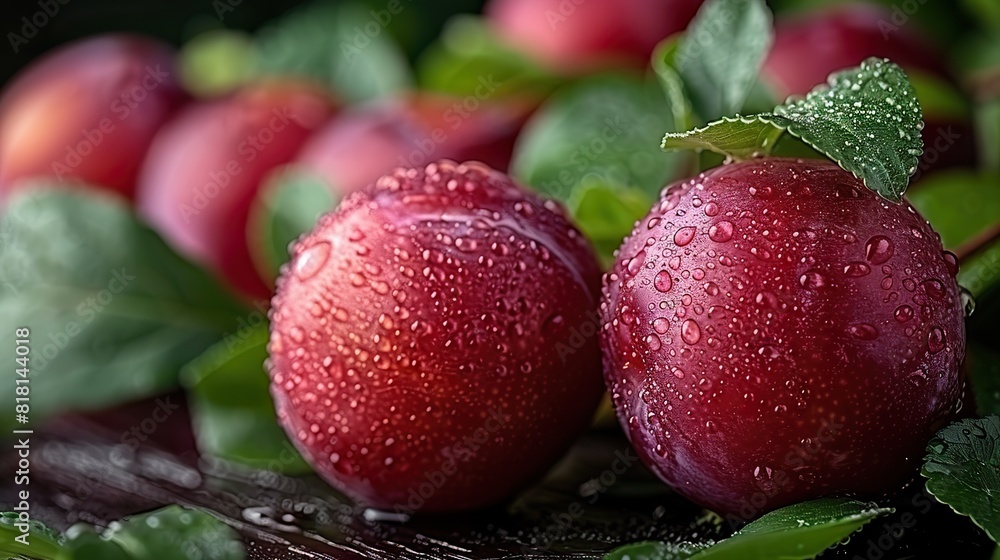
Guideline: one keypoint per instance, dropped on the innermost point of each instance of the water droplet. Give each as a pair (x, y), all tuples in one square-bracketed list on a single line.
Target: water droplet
[(879, 249), (903, 313), (918, 378), (674, 262), (312, 260), (684, 236), (662, 282), (951, 261), (721, 232), (936, 340), (812, 279), (636, 262), (712, 289), (652, 223), (864, 331), (968, 301), (661, 325), (856, 269), (934, 289), (690, 331), (653, 342), (711, 209)]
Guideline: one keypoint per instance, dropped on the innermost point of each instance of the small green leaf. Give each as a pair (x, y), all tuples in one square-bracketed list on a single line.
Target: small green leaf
[(983, 366), (170, 533), (665, 65), (962, 468), (288, 206), (961, 205), (468, 59), (216, 62), (113, 311), (85, 543), (652, 550), (42, 542), (231, 406), (737, 137), (795, 532), (602, 130), (606, 215), (988, 133), (720, 54), (333, 45), (866, 119)]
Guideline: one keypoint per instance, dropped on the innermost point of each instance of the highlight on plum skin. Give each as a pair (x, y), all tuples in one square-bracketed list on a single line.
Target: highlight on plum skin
[(775, 332), (424, 352)]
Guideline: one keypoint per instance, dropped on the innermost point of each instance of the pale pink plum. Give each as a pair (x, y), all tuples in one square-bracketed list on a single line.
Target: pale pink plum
[(86, 112), (205, 167)]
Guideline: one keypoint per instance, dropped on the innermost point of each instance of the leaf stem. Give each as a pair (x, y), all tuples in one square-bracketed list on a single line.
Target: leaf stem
[(978, 243)]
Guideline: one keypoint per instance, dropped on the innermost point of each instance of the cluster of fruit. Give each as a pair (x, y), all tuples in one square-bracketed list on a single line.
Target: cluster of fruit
[(771, 327)]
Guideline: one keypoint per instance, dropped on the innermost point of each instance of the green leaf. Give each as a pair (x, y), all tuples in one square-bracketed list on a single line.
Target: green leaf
[(113, 311), (231, 406), (866, 119), (85, 543), (334, 45), (289, 206), (602, 130), (43, 543), (170, 533), (665, 66), (720, 54), (738, 137), (606, 215), (961, 205), (468, 59), (962, 468), (983, 367), (988, 133), (652, 550), (216, 62), (795, 532)]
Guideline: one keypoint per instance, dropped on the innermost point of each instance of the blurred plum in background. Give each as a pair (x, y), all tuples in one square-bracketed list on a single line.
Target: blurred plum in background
[(205, 168), (87, 111)]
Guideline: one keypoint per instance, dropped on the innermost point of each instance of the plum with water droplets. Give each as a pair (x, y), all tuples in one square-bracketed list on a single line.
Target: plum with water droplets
[(433, 340), (801, 339)]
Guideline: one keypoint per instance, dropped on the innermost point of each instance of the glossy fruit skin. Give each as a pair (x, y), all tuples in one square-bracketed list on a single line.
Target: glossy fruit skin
[(443, 304), (87, 112), (206, 166), (774, 332), (572, 36), (360, 146), (809, 47)]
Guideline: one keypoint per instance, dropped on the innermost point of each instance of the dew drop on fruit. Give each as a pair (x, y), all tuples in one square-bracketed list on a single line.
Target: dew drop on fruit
[(312, 260), (864, 331), (636, 262), (951, 261), (653, 342), (856, 269), (879, 249), (661, 325), (711, 209), (934, 289), (674, 262), (917, 378), (903, 313), (690, 331), (721, 232), (297, 334), (812, 279), (712, 289), (935, 340), (662, 281), (684, 236)]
